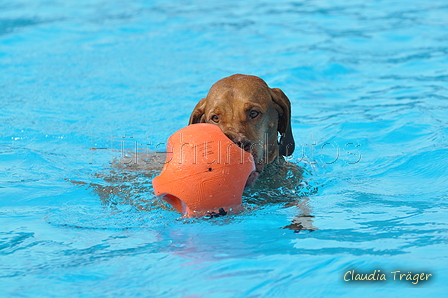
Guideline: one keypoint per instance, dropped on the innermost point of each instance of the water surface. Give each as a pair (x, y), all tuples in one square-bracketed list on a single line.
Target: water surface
[(84, 81)]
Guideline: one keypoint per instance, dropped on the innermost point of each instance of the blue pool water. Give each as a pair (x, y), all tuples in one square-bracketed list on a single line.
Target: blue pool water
[(368, 85)]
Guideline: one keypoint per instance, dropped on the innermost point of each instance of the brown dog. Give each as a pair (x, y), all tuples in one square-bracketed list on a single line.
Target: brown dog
[(252, 115)]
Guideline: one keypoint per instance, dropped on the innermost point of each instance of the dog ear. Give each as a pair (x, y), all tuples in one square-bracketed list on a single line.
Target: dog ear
[(286, 143), (197, 116)]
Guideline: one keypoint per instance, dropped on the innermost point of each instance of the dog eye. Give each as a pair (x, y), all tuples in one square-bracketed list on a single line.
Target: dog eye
[(253, 114), (215, 118)]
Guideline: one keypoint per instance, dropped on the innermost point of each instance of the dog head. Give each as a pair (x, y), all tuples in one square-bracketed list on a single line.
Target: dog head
[(251, 114)]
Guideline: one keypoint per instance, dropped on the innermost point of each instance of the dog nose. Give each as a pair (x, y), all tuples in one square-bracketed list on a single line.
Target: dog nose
[(241, 141)]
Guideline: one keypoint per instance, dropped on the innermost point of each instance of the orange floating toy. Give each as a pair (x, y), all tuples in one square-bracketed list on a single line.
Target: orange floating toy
[(204, 171)]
